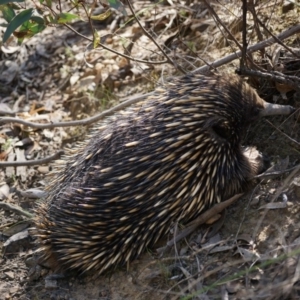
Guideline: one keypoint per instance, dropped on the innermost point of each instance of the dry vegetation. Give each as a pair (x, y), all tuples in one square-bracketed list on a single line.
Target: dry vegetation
[(57, 77)]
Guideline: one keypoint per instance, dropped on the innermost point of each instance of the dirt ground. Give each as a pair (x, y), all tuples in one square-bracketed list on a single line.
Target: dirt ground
[(251, 252)]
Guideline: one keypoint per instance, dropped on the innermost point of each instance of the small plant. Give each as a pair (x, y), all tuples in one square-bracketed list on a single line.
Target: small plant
[(24, 22)]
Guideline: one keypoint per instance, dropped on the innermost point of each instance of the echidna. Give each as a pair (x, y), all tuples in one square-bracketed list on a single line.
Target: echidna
[(162, 161)]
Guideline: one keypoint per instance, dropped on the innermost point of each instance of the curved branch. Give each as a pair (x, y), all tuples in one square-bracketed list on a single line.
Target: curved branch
[(217, 63), (31, 162), (116, 52), (83, 122)]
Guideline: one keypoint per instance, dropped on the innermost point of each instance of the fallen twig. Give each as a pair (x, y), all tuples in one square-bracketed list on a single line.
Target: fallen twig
[(116, 52), (283, 35), (31, 162), (200, 220), (275, 173), (291, 139), (16, 209), (83, 122), (293, 81)]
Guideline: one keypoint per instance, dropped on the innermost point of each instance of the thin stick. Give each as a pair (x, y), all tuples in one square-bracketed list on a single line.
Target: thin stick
[(276, 39), (16, 209), (200, 220), (31, 162), (116, 52), (276, 76), (276, 173), (82, 122), (243, 61), (153, 40), (217, 63), (223, 25), (287, 136)]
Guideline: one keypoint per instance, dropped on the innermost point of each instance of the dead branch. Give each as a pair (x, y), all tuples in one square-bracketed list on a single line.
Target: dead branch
[(282, 36), (31, 162), (244, 36), (16, 209), (83, 122), (251, 7), (275, 173), (116, 52), (274, 36), (243, 48), (199, 221), (293, 81), (223, 25), (292, 140), (153, 40)]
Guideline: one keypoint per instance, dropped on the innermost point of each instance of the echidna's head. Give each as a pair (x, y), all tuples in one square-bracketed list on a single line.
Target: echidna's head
[(224, 105), (212, 113), (236, 105)]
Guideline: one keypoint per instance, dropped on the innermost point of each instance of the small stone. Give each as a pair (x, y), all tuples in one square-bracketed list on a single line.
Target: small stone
[(50, 284), (255, 200), (183, 251), (10, 275), (30, 262), (43, 169), (17, 241), (13, 290), (272, 191)]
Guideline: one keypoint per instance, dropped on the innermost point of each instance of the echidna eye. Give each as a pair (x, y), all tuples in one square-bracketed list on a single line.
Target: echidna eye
[(222, 131)]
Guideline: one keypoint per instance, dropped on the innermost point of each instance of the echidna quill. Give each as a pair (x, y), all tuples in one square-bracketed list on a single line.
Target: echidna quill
[(162, 161)]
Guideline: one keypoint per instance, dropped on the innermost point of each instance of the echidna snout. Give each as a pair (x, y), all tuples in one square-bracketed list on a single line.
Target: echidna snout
[(162, 161)]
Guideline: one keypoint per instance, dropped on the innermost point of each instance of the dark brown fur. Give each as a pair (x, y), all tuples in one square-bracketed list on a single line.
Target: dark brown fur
[(162, 161)]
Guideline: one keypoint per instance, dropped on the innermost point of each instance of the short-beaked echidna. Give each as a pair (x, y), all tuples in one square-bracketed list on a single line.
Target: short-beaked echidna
[(162, 161)]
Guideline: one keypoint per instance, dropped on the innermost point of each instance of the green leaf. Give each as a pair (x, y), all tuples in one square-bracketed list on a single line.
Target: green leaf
[(66, 17), (7, 12), (116, 4), (38, 19), (96, 39), (9, 1), (102, 17), (17, 21), (29, 29), (50, 19), (48, 2)]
